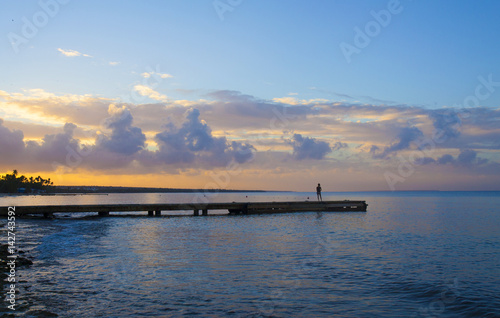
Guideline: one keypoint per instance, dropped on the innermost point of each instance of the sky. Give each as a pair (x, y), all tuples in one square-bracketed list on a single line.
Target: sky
[(238, 94)]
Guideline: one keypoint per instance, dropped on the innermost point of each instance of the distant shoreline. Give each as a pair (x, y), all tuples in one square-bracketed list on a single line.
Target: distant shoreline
[(108, 189), (105, 190)]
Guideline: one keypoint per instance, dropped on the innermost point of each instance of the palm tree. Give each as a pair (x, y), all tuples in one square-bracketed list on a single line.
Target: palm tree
[(10, 183)]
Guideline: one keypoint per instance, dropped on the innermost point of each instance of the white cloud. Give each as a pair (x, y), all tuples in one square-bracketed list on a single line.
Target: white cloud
[(149, 92), (42, 107), (72, 53), (286, 100), (114, 63), (155, 74), (294, 101)]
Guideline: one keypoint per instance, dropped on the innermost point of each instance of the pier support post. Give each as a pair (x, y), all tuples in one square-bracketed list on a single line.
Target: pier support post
[(196, 212), (158, 213), (204, 212), (151, 213), (104, 213)]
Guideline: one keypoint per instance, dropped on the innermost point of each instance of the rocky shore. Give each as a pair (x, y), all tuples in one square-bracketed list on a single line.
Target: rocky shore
[(22, 260)]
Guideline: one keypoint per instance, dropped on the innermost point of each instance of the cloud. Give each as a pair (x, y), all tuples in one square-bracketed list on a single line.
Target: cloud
[(29, 130), (11, 144), (63, 150), (447, 122), (346, 96), (286, 100), (406, 135), (308, 148), (378, 100), (231, 96), (42, 155), (445, 159), (42, 107), (193, 142), (110, 151), (466, 157), (374, 150), (113, 63), (125, 139), (424, 161), (339, 145), (229, 126), (245, 111), (294, 101), (241, 152), (72, 53), (469, 157), (149, 92), (156, 74), (54, 147), (324, 91)]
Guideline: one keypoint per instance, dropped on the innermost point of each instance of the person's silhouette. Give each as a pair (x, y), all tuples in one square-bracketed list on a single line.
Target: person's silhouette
[(318, 192)]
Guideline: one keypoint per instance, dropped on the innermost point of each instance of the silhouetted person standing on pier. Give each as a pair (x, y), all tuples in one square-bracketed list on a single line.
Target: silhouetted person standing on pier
[(318, 192)]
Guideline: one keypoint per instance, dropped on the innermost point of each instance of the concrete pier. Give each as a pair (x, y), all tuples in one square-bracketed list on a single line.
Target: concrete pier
[(232, 207)]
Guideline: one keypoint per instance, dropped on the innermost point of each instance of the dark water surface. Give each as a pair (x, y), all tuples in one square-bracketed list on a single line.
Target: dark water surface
[(413, 254)]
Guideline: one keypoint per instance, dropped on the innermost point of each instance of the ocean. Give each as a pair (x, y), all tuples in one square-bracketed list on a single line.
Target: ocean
[(412, 254)]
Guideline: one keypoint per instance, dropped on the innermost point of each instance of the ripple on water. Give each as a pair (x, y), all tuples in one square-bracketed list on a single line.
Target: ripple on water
[(406, 257)]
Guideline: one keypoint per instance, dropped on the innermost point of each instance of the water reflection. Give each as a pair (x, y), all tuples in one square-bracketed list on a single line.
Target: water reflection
[(394, 260)]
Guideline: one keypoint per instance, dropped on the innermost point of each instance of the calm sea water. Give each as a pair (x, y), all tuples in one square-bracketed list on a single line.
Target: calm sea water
[(413, 254)]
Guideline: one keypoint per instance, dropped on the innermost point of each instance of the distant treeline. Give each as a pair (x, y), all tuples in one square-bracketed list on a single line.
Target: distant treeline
[(11, 183), (106, 189)]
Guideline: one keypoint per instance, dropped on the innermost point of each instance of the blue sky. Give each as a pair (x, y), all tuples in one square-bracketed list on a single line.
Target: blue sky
[(429, 54), (425, 56)]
